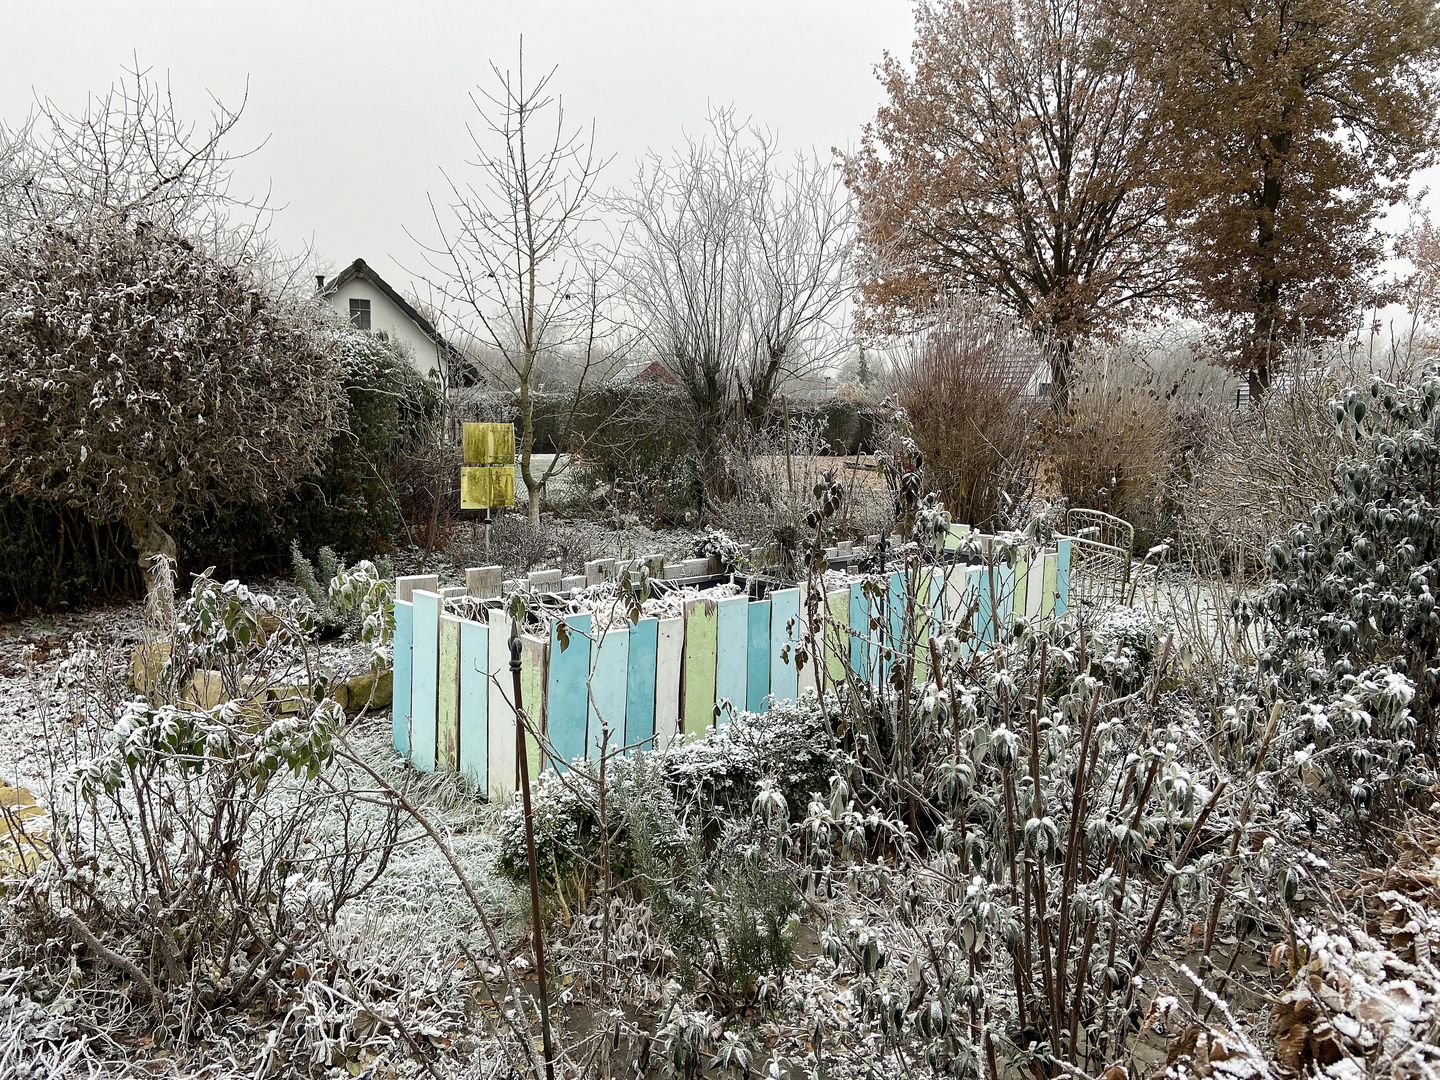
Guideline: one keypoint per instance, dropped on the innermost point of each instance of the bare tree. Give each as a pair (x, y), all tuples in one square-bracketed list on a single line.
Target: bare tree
[(511, 253), (132, 155), (738, 270)]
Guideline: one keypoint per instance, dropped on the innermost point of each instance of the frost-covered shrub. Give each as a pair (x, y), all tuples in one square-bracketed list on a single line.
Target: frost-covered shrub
[(1356, 585), (197, 847), (706, 781), (144, 374), (1125, 642), (356, 601), (716, 544)]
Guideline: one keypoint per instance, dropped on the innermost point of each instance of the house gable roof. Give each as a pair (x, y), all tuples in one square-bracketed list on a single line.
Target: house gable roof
[(362, 270)]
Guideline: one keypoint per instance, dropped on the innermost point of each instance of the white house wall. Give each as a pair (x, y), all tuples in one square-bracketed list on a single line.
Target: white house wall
[(384, 315)]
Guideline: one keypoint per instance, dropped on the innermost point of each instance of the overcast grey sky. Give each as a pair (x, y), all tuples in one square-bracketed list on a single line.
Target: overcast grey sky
[(363, 103)]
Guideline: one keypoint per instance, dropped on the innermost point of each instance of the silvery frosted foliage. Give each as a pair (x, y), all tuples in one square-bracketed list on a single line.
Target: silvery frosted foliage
[(209, 833), (1355, 587), (140, 375)]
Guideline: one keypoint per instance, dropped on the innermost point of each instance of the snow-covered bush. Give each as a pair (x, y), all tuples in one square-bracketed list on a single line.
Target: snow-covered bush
[(706, 781), (199, 844), (143, 375), (1356, 585), (716, 544)]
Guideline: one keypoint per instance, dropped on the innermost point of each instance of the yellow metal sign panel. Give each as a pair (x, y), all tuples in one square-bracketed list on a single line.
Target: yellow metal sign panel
[(489, 444), (486, 487)]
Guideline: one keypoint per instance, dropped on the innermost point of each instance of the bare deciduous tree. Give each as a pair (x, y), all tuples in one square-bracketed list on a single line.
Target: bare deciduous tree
[(511, 253), (738, 270)]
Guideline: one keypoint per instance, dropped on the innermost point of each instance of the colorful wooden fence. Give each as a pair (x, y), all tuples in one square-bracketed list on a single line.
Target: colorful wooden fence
[(646, 683)]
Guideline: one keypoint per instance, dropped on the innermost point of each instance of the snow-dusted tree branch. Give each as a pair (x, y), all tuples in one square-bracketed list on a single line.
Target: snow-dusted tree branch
[(511, 255), (738, 270)]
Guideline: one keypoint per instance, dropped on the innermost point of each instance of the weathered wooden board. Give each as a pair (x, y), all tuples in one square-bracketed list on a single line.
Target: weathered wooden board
[(406, 585), (784, 640), (400, 699), (534, 657), (500, 710), (698, 704), (1035, 585), (447, 697), (640, 682), (566, 696), (757, 641), (669, 666), (425, 671), (605, 718), (474, 705), (837, 636), (1062, 577), (732, 657)]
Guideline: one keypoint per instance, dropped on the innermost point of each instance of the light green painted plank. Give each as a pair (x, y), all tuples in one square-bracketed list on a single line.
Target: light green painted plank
[(533, 654), (837, 637), (447, 697), (701, 618)]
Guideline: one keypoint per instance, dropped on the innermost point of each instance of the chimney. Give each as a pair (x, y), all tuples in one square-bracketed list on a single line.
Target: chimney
[(319, 282)]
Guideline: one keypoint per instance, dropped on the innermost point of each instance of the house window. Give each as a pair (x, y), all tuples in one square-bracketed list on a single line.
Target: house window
[(360, 314)]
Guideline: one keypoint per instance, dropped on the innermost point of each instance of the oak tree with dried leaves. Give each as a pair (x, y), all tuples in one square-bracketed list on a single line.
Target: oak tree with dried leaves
[(1289, 126), (1009, 162)]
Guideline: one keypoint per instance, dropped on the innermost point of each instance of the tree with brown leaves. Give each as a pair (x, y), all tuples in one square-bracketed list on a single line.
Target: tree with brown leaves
[(1009, 162), (1289, 126)]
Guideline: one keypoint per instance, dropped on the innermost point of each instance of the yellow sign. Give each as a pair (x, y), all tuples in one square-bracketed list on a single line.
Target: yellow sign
[(489, 444), (486, 487), (487, 479)]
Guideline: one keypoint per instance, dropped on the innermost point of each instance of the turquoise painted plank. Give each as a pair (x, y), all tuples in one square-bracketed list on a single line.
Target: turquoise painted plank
[(732, 657), (500, 709), (698, 677), (400, 702), (784, 628), (474, 705), (640, 684), (1062, 578), (757, 679), (860, 625), (566, 697), (985, 618), (607, 692), (893, 635), (425, 671)]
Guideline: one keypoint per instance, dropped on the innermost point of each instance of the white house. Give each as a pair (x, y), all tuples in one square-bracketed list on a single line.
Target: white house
[(362, 295)]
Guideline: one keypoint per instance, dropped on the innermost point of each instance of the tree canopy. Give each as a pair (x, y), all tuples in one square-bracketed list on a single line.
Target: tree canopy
[(141, 376), (1007, 162), (1287, 127)]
